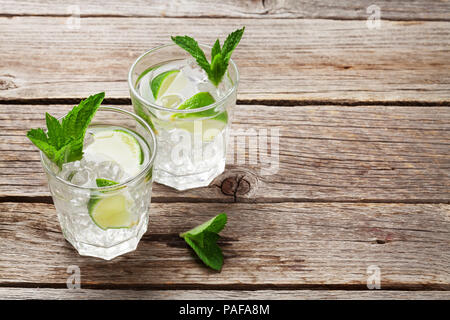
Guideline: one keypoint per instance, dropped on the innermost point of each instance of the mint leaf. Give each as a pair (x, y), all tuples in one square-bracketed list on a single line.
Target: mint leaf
[(55, 135), (203, 240), (219, 57), (191, 46), (215, 224), (40, 140), (215, 49), (76, 121), (209, 252), (71, 151), (218, 68), (231, 43), (63, 141), (74, 150)]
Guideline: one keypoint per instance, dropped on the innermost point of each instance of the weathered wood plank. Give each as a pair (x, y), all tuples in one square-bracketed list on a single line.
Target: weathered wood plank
[(417, 9), (327, 153), (85, 294), (305, 60), (266, 246)]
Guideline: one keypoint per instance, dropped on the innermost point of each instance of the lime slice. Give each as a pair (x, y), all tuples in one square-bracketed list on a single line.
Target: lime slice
[(120, 146), (179, 86), (111, 212), (210, 127), (143, 74), (161, 82)]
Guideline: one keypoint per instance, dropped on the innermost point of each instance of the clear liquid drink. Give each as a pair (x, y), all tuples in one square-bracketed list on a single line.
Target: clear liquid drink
[(102, 200), (189, 115)]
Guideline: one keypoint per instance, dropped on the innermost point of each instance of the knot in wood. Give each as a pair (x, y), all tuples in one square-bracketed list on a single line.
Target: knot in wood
[(243, 187), (7, 83), (237, 184), (229, 186)]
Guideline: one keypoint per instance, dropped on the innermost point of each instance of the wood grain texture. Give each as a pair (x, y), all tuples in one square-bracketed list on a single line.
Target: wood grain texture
[(298, 60), (266, 246), (86, 294), (364, 162), (327, 153), (404, 10)]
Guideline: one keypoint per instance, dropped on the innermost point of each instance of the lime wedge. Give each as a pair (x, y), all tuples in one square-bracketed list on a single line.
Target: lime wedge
[(120, 146), (105, 183), (172, 97), (162, 81), (210, 127), (199, 100), (111, 212)]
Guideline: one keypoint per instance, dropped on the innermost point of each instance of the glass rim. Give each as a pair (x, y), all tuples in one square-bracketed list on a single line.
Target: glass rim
[(153, 105), (119, 185)]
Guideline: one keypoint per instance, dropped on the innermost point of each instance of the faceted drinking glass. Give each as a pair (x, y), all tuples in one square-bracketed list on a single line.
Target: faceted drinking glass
[(192, 143), (74, 203)]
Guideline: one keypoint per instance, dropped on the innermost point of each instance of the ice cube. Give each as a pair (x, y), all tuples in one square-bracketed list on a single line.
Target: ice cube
[(171, 101), (79, 201), (207, 86), (88, 138), (193, 71), (110, 170), (87, 164), (223, 87), (217, 92), (68, 170), (81, 177)]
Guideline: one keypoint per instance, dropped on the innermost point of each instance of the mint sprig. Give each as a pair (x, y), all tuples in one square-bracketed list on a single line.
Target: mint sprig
[(63, 141), (220, 57), (203, 239)]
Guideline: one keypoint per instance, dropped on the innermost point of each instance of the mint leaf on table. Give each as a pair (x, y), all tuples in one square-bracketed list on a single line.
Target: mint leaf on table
[(220, 57), (203, 239), (63, 141), (210, 252)]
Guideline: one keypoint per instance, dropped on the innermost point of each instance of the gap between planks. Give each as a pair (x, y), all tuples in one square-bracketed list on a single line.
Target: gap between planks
[(265, 102), (48, 200), (43, 293), (24, 15), (420, 10), (232, 286)]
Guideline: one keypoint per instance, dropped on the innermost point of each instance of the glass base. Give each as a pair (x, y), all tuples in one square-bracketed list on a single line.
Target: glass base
[(189, 181), (108, 253)]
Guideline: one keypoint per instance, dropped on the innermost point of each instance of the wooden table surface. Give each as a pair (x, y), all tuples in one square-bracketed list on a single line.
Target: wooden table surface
[(364, 149)]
